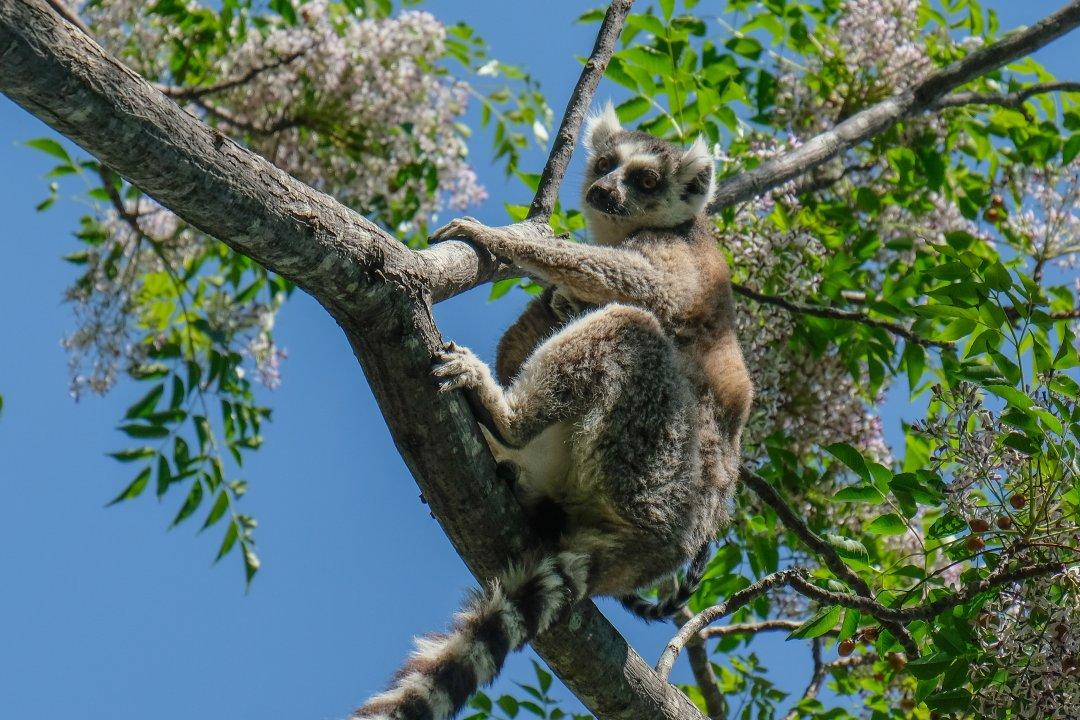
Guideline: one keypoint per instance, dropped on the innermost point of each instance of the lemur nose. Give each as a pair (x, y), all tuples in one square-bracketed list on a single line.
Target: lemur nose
[(600, 197)]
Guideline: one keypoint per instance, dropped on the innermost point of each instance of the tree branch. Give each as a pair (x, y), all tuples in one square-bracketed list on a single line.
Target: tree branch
[(194, 93), (701, 666), (826, 552), (752, 628), (838, 314), (1013, 100), (876, 119), (693, 626), (371, 284)]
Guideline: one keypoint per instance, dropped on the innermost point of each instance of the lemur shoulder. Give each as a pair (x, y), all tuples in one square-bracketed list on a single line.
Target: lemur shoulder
[(624, 398)]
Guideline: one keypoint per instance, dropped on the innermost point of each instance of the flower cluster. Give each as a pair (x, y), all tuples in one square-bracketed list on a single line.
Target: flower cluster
[(1030, 637), (354, 106)]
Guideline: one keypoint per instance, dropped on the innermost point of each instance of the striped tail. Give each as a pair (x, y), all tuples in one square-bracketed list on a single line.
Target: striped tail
[(680, 595), (446, 669)]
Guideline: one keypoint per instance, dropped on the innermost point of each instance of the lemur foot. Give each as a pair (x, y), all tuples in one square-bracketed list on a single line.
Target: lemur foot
[(463, 228), (459, 368)]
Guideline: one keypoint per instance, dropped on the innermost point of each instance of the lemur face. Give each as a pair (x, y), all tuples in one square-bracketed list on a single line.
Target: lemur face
[(634, 180)]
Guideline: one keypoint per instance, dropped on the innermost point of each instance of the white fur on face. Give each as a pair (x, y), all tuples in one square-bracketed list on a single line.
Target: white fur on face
[(688, 173)]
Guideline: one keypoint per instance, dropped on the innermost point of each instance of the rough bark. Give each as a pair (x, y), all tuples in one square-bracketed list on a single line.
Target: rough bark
[(373, 286)]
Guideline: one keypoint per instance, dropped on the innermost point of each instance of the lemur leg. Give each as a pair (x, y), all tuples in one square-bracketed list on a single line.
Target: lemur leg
[(605, 358)]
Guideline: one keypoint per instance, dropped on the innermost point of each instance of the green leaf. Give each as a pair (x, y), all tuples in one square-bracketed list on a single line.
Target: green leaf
[(859, 493), (846, 547), (135, 489), (818, 625), (147, 404), (929, 666), (133, 454), (632, 109), (888, 524), (191, 503), (958, 700), (852, 458), (216, 512), (508, 705), (50, 146), (947, 524), (144, 431)]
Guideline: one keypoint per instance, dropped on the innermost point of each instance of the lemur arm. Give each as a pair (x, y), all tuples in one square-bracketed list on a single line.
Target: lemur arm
[(591, 273)]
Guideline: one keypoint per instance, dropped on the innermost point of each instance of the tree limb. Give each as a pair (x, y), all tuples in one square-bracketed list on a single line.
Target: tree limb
[(826, 552), (876, 119), (371, 284), (180, 93), (701, 666), (838, 314), (1013, 100)]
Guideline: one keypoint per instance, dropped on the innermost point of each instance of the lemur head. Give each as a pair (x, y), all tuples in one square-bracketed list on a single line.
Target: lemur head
[(634, 180)]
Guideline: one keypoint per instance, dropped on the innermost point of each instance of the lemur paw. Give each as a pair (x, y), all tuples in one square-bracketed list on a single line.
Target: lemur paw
[(464, 228), (458, 368)]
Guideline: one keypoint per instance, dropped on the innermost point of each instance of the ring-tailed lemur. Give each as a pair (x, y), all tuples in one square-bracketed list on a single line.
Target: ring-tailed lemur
[(624, 424)]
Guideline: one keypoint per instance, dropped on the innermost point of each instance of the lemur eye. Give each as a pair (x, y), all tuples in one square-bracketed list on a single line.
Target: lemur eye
[(649, 180), (603, 166)]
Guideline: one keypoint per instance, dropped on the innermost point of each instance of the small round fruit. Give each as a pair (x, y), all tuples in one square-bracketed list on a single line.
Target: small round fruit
[(979, 524), (974, 543), (897, 661), (997, 201), (846, 647), (1004, 522), (870, 635), (1018, 501), (992, 214)]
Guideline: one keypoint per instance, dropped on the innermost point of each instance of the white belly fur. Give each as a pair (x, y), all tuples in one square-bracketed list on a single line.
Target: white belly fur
[(544, 463)]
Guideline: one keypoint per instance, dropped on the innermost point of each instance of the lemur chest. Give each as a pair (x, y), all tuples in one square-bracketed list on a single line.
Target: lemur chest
[(543, 464)]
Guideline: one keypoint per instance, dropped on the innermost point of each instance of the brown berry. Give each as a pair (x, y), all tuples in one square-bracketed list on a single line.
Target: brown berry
[(992, 214), (1004, 522), (907, 704), (974, 543), (870, 635), (1018, 501), (897, 661), (997, 201), (846, 647), (979, 525)]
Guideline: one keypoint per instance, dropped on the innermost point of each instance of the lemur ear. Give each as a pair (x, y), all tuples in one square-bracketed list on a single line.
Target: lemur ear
[(696, 171), (601, 127)]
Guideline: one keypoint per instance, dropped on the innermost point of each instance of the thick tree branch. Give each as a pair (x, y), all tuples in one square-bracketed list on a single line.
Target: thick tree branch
[(838, 314), (371, 284), (921, 96)]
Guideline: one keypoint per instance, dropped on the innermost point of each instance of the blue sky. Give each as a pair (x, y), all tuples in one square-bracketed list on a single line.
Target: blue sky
[(105, 614)]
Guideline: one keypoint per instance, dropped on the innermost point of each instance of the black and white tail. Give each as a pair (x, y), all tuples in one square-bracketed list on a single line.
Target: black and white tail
[(684, 587), (446, 669)]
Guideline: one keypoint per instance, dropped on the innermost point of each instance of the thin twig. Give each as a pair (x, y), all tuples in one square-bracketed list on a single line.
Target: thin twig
[(801, 584), (562, 148), (826, 552), (695, 624), (701, 666), (876, 119), (283, 123), (752, 628), (838, 314), (196, 92), (1013, 100)]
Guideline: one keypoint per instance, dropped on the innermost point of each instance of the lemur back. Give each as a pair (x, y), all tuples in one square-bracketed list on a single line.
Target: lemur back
[(623, 399)]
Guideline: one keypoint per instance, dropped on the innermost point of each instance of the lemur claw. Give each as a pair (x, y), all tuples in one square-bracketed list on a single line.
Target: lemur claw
[(458, 367)]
